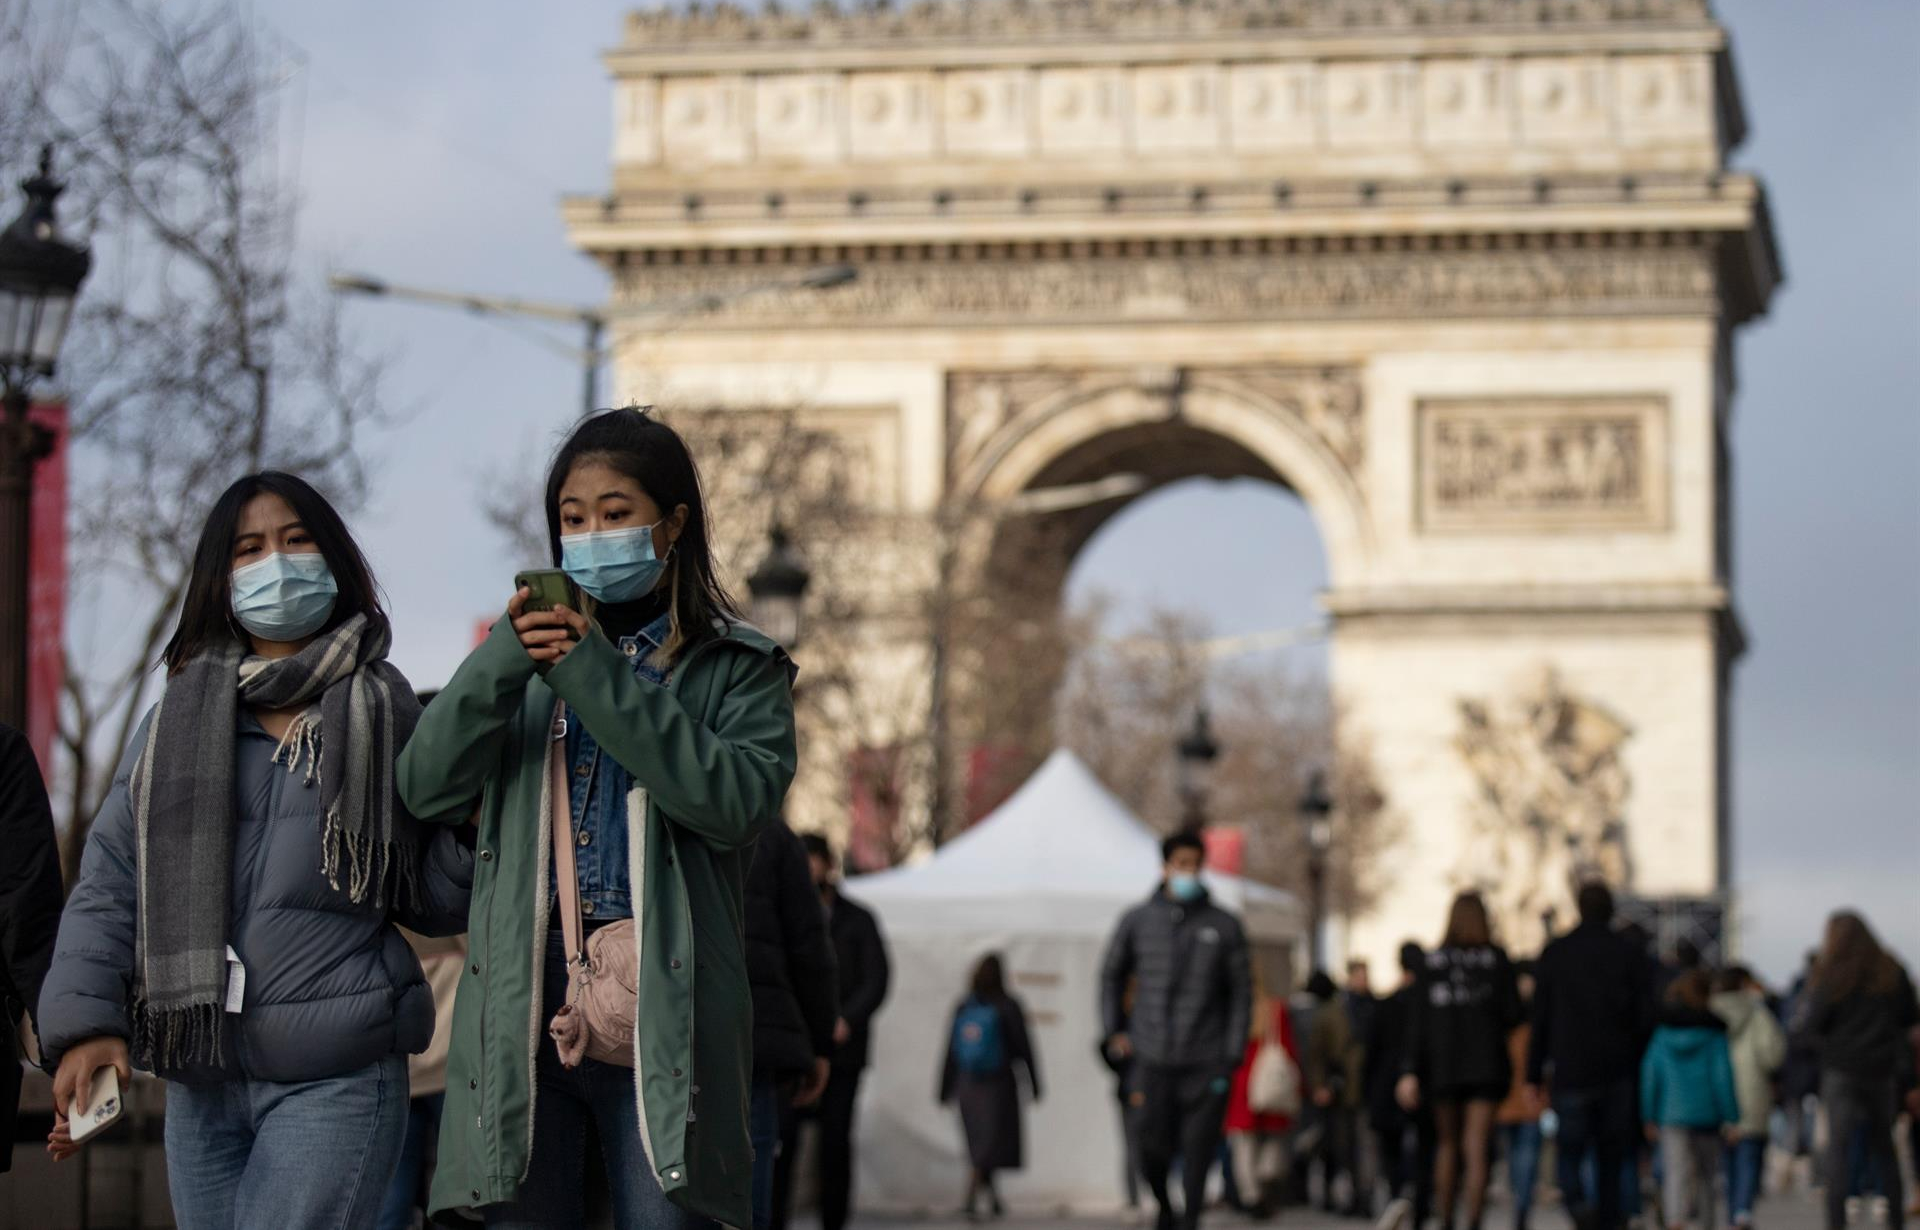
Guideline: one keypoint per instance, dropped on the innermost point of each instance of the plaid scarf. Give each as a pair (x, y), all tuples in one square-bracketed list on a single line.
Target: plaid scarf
[(182, 791)]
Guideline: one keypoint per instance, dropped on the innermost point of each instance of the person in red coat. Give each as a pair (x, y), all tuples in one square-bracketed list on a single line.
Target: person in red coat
[(1259, 1140)]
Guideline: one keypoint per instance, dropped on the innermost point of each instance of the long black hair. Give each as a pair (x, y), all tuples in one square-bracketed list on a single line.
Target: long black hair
[(652, 454), (206, 613), (989, 978)]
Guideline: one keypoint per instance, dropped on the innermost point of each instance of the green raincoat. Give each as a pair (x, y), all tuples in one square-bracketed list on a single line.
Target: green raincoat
[(711, 755)]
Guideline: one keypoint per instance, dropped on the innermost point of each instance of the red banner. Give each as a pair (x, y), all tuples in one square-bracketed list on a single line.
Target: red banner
[(47, 587), (873, 786), (1226, 848), (994, 772)]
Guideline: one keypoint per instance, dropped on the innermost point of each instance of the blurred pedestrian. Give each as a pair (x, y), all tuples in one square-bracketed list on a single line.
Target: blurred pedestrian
[(1800, 1078), (1189, 1025), (860, 955), (1687, 1099), (1261, 1108), (1126, 1092), (1519, 1116), (1360, 1003), (1591, 1016), (443, 961), (29, 909), (1758, 1046), (622, 765), (1859, 1009), (235, 925), (1456, 1059), (987, 1047), (1406, 1137), (792, 972), (1333, 1069)]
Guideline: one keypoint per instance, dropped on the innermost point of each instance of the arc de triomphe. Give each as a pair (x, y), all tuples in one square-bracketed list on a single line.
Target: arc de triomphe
[(1463, 274)]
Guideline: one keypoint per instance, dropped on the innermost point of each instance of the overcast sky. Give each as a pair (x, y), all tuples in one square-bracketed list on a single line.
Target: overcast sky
[(435, 137)]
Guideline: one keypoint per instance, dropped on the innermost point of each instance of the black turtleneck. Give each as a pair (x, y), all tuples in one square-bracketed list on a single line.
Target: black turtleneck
[(618, 619)]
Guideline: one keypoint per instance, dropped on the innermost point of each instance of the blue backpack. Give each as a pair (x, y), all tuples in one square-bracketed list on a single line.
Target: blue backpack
[(977, 1049)]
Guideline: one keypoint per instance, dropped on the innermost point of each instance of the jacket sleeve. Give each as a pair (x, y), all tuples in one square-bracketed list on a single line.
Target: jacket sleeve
[(446, 882), (29, 876), (1115, 969), (863, 998), (1021, 1048), (455, 750), (1770, 1041), (88, 986), (1726, 1098), (811, 965), (1239, 997), (1650, 1081), (723, 784)]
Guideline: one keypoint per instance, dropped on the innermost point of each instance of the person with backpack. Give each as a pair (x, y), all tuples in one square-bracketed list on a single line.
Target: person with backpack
[(1687, 1098), (987, 1042)]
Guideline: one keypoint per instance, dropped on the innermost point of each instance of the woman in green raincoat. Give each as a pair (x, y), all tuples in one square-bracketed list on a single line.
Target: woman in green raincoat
[(675, 721)]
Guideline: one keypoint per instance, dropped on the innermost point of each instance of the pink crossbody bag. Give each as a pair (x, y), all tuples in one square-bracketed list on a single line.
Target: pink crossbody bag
[(603, 999)]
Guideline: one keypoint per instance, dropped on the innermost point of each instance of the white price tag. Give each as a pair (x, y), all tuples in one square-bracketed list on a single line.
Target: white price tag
[(236, 980)]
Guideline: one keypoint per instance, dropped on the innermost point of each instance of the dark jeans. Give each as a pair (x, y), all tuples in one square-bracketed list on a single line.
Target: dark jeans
[(1744, 1159), (406, 1203), (570, 1109), (1183, 1115), (835, 1115), (1406, 1157), (1520, 1144), (1597, 1124), (764, 1127), (1857, 1104)]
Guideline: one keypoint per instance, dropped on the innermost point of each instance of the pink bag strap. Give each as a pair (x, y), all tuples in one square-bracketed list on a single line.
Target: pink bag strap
[(565, 869)]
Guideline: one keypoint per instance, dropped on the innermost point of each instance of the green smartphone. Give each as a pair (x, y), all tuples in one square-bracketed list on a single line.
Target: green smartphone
[(548, 588)]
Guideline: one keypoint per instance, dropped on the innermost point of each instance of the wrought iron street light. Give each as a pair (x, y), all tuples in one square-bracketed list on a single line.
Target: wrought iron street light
[(40, 274), (1198, 752), (1316, 817), (777, 587)]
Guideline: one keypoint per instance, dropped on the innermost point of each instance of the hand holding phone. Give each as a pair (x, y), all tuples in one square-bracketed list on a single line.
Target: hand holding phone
[(99, 1110), (547, 588), (87, 1092), (545, 618)]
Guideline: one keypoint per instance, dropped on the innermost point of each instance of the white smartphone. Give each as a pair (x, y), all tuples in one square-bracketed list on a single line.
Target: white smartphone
[(103, 1103)]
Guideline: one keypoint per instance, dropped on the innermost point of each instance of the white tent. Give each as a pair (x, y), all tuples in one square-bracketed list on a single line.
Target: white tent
[(1041, 881)]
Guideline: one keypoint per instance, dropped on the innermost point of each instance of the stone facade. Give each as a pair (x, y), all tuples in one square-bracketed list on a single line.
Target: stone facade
[(1461, 273)]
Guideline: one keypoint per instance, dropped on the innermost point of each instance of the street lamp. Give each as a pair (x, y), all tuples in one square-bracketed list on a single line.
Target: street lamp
[(1316, 816), (39, 276), (1198, 751), (777, 586)]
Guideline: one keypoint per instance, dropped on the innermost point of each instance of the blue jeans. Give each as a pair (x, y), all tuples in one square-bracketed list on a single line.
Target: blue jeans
[(1744, 1158), (1520, 1142), (570, 1108), (406, 1195), (763, 1124), (291, 1156)]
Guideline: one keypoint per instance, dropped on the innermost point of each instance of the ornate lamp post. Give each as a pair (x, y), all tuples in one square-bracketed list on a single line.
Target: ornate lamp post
[(39, 277), (1316, 817), (1198, 752), (777, 586)]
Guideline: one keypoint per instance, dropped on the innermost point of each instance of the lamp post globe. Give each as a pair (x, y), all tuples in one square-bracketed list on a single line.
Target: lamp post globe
[(40, 274), (777, 587), (1198, 753)]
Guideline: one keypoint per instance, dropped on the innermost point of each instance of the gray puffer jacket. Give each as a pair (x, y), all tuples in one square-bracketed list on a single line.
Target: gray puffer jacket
[(331, 986), (1193, 994)]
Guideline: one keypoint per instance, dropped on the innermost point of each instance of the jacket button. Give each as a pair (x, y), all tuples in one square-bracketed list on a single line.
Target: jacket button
[(676, 1071), (476, 969), (473, 1084), (583, 769), (676, 963), (476, 1195), (586, 907), (674, 1175), (586, 839), (486, 856)]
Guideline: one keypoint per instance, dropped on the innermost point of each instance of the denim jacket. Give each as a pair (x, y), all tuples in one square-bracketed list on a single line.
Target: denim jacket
[(599, 799)]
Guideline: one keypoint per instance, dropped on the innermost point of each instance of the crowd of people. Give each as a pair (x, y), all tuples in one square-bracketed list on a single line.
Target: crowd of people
[(396, 960)]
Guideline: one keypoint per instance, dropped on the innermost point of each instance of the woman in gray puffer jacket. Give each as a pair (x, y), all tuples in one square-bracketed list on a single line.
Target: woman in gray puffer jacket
[(233, 925)]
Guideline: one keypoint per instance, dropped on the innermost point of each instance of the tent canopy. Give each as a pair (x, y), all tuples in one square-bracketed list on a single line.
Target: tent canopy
[(1062, 856)]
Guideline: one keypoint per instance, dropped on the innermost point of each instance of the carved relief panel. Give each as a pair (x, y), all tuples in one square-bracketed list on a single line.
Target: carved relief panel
[(1595, 463)]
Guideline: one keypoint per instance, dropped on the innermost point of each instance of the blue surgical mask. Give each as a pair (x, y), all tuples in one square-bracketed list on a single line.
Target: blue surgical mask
[(284, 597), (1184, 887), (613, 565)]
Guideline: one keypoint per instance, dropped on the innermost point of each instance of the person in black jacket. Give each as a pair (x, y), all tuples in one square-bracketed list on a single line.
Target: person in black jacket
[(1466, 1002), (29, 906), (1592, 1014), (1405, 1136), (987, 1040), (1859, 1010), (1192, 1009), (861, 956), (791, 968)]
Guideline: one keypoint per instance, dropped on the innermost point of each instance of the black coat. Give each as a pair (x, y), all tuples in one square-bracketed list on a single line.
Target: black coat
[(1592, 1010), (1193, 997), (1864, 1034), (990, 1102), (1465, 1004), (790, 962), (29, 906), (1386, 1043), (864, 973)]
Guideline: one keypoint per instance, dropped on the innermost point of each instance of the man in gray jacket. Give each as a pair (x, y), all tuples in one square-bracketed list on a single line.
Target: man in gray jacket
[(1187, 960)]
